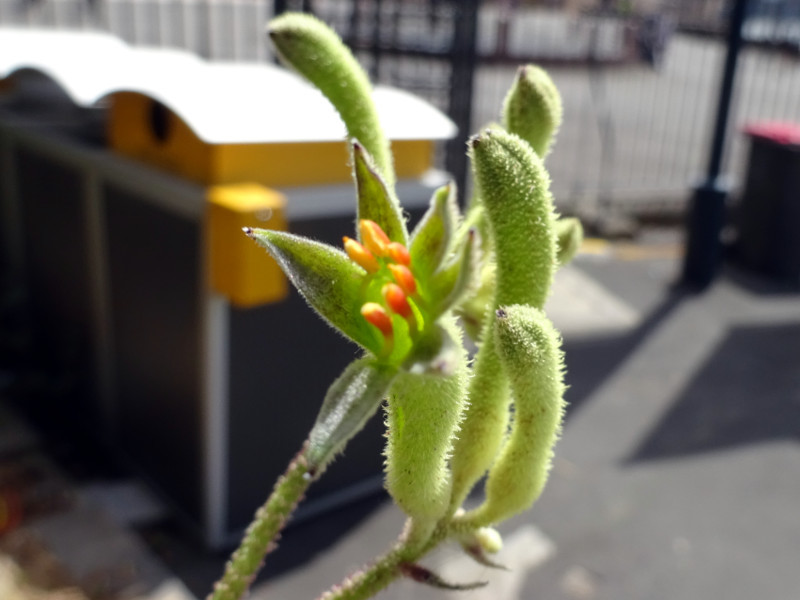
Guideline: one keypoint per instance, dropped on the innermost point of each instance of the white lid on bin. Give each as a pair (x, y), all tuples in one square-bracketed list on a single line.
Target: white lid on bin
[(223, 103)]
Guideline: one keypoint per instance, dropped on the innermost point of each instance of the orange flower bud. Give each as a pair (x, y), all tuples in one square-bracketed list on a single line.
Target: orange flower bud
[(376, 315), (399, 253), (404, 278), (360, 255), (396, 299), (373, 237)]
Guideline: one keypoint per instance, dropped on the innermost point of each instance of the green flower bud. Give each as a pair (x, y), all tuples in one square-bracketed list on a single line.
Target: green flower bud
[(423, 412), (315, 51), (570, 236), (532, 108), (530, 350), (513, 186)]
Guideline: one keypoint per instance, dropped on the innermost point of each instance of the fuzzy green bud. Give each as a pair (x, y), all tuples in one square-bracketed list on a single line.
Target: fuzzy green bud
[(315, 51), (530, 350), (514, 188), (423, 413), (570, 236), (532, 108)]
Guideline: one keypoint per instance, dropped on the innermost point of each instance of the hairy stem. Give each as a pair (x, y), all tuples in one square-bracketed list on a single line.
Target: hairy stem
[(411, 546), (260, 537)]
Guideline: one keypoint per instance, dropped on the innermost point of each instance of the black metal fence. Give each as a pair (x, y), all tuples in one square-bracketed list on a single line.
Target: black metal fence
[(639, 88)]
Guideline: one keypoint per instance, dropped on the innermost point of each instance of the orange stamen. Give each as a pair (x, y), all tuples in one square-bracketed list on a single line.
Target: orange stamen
[(360, 255), (399, 253), (373, 237), (396, 299), (376, 315), (404, 278)]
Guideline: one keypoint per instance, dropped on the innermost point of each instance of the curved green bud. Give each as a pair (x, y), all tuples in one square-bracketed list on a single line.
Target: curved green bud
[(530, 350), (514, 188), (432, 236), (315, 51), (484, 424), (423, 412), (330, 282), (513, 185), (532, 109), (374, 200), (351, 400), (569, 232)]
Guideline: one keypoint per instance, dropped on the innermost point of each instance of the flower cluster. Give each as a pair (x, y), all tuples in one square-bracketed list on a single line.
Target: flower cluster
[(387, 265)]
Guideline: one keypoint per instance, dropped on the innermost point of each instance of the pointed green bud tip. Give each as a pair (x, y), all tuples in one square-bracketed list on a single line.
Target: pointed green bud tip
[(375, 200), (431, 239), (533, 108)]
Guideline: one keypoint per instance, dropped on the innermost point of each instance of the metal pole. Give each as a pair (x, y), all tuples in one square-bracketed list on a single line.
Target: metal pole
[(707, 209), (464, 61)]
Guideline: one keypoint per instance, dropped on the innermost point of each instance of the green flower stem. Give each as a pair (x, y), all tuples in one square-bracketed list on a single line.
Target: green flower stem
[(412, 546), (261, 535)]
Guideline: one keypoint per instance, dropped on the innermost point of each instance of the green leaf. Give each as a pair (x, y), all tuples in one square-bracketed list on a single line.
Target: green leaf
[(532, 108), (330, 282), (315, 51), (375, 201), (351, 400), (431, 238)]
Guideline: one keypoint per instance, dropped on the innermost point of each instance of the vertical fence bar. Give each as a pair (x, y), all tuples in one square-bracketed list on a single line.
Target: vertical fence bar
[(462, 75), (707, 208)]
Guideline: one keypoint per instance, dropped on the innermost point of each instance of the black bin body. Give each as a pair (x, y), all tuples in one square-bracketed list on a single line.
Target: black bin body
[(769, 218)]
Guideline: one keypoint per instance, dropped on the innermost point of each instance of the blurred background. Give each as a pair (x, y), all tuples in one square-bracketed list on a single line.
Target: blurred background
[(151, 392)]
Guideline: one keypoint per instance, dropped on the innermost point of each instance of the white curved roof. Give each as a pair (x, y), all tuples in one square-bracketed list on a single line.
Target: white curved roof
[(223, 103)]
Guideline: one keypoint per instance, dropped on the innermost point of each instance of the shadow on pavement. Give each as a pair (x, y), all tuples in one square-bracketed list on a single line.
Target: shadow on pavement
[(747, 392), (592, 361)]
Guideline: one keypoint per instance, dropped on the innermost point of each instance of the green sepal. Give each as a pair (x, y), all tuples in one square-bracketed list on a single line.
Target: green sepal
[(533, 109), (314, 50), (432, 236), (331, 283), (351, 400), (435, 353), (569, 234), (456, 276), (375, 201), (427, 577)]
